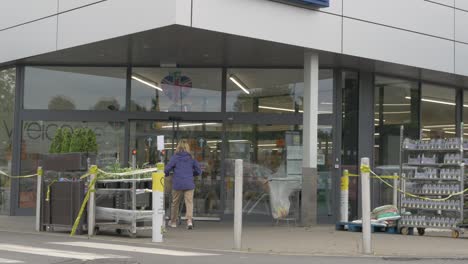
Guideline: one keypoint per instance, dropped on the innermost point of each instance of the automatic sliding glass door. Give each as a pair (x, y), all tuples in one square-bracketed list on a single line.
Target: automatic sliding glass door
[(206, 146)]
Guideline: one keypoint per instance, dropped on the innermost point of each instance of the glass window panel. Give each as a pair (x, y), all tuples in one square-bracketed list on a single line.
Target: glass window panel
[(176, 90), (75, 88), (36, 140), (272, 90), (465, 113), (7, 109), (269, 152), (396, 105), (350, 129), (438, 111)]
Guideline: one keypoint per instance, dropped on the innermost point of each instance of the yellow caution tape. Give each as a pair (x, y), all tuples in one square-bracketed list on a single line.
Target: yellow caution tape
[(85, 201), (345, 182), (158, 181), (382, 177), (48, 190), (17, 177), (365, 169), (417, 196), (129, 173)]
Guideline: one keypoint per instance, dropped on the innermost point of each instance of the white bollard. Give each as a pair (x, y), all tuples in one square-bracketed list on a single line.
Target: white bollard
[(38, 199), (395, 190), (238, 194), (158, 204), (344, 197), (366, 211), (91, 206)]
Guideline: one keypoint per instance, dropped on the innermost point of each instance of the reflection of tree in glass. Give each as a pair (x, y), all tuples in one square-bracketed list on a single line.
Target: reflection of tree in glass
[(61, 102), (107, 104), (137, 107), (7, 90)]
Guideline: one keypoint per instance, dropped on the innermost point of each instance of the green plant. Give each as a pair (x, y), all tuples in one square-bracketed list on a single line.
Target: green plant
[(67, 136), (91, 146), (56, 146), (78, 142)]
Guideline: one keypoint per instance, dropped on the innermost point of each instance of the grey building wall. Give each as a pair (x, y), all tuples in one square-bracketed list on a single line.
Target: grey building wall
[(420, 33)]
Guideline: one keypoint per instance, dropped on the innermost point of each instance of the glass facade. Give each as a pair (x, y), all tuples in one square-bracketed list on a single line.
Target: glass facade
[(396, 104), (176, 90), (7, 109), (184, 103), (75, 88), (37, 137), (438, 111), (265, 90)]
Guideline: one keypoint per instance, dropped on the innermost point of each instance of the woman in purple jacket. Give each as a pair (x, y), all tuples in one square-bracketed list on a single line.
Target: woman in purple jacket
[(185, 169)]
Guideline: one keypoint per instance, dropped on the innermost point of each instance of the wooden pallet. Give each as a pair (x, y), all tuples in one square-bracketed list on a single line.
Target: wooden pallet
[(355, 227)]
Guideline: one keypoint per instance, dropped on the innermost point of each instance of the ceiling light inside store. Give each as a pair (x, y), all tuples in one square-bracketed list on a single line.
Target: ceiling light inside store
[(435, 101), (149, 83), (394, 104), (239, 83), (278, 109), (192, 125)]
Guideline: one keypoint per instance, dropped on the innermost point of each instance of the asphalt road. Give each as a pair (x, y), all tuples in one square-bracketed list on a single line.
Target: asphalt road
[(45, 249)]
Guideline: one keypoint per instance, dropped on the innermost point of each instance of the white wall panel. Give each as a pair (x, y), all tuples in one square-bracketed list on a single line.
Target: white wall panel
[(336, 7), (461, 26), (111, 19), (462, 4), (445, 2), (399, 46), (28, 40), (184, 12), (65, 5), (14, 12), (270, 21), (415, 15), (461, 59)]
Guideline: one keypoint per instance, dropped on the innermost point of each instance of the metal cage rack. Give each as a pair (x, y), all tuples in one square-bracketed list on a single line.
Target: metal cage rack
[(432, 170)]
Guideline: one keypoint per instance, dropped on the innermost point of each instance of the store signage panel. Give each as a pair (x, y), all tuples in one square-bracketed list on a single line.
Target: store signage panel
[(307, 3)]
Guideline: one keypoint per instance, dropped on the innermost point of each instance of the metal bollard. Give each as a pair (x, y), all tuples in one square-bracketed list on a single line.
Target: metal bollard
[(40, 173), (395, 190), (344, 197), (366, 212), (158, 204), (238, 188), (92, 202)]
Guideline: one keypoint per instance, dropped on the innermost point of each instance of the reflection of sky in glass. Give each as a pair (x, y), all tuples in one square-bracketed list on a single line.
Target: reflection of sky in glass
[(84, 90)]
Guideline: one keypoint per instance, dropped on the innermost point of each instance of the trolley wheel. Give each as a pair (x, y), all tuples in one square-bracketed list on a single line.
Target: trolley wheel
[(455, 233), (118, 231), (421, 231), (404, 231)]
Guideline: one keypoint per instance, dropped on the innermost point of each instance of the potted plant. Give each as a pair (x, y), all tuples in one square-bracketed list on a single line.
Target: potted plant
[(70, 150)]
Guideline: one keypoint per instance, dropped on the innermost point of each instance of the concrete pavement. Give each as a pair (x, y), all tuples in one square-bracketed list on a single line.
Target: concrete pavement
[(265, 238), (48, 249)]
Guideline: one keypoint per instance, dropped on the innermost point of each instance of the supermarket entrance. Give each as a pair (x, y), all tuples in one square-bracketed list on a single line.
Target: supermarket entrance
[(205, 140)]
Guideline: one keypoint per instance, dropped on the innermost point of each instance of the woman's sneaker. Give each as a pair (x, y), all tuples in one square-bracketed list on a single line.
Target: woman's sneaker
[(189, 225), (173, 225)]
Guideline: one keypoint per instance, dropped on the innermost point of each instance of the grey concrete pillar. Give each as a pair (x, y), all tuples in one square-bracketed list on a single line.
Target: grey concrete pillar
[(309, 162)]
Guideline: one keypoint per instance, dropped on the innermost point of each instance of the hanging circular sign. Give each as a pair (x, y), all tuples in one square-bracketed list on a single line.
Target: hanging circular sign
[(176, 86)]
